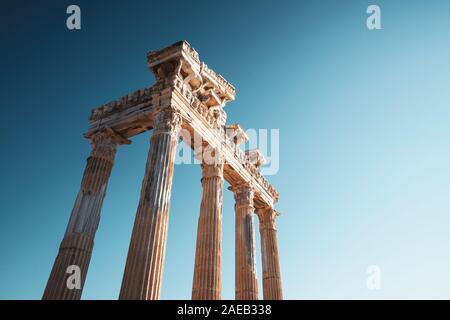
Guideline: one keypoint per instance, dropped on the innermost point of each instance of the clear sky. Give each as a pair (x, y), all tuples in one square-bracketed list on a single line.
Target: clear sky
[(364, 128)]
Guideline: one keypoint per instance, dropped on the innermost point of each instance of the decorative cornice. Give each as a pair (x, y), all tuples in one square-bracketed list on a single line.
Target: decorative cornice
[(236, 134), (182, 51), (128, 101), (255, 157)]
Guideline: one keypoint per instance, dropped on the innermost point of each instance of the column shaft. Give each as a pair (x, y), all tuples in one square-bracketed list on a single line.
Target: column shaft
[(270, 258), (77, 244), (144, 267), (246, 284), (207, 283)]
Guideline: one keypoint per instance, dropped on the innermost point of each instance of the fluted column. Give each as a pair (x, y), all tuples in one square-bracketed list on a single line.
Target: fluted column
[(246, 283), (207, 283), (270, 258), (76, 246), (144, 267)]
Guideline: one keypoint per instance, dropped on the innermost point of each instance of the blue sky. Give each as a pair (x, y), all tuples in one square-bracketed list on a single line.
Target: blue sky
[(364, 138)]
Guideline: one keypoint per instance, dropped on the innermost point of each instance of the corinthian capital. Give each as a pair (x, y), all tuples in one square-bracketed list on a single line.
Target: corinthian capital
[(168, 121), (243, 195), (212, 170), (212, 163), (267, 217), (104, 144)]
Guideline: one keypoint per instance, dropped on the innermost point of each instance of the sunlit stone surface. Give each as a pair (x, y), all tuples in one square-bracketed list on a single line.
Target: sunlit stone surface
[(187, 95)]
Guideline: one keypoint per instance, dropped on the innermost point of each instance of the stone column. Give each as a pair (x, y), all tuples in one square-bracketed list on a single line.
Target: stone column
[(246, 283), (207, 283), (76, 246), (144, 267), (270, 259)]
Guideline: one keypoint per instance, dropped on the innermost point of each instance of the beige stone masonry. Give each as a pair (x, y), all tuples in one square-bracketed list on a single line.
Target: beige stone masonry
[(187, 95)]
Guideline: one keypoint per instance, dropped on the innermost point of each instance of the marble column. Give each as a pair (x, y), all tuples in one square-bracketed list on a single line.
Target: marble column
[(207, 283), (72, 261), (246, 283), (270, 259), (145, 262)]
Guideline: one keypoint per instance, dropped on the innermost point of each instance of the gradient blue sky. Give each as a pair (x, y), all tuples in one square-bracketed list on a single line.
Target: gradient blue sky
[(364, 138)]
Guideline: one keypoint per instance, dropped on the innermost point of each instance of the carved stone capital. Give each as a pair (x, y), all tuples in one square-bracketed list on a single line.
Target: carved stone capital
[(267, 217), (213, 167), (104, 144), (168, 121), (211, 171), (212, 162), (243, 195)]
